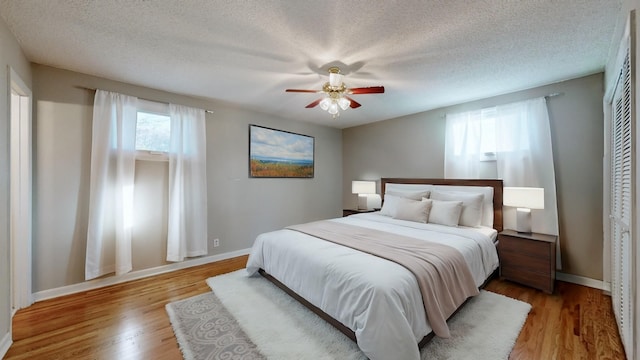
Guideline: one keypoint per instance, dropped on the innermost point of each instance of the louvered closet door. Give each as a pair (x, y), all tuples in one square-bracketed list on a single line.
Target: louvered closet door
[(621, 211)]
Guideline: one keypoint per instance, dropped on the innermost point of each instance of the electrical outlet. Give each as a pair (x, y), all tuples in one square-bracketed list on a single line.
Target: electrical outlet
[(216, 242)]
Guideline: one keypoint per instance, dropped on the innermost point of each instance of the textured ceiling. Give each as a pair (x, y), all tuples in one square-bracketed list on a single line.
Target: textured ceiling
[(427, 54)]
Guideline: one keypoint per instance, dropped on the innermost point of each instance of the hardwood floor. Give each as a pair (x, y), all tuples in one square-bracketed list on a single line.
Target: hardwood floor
[(128, 321), (124, 321), (576, 322)]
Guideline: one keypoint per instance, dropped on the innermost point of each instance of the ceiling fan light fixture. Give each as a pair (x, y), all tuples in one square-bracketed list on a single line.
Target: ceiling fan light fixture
[(324, 104), (336, 92), (333, 109), (344, 103)]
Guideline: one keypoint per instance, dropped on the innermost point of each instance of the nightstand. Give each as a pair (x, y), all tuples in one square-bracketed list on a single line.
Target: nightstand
[(528, 258), (347, 212)]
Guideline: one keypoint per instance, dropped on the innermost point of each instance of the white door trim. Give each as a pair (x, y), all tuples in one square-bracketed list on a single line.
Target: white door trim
[(20, 191)]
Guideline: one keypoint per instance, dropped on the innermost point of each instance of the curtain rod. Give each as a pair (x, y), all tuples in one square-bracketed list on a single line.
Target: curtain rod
[(163, 102), (546, 97)]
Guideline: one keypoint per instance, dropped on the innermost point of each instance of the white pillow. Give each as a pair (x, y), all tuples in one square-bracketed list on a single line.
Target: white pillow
[(407, 187), (413, 195), (417, 211), (391, 203), (487, 203), (445, 212), (471, 205)]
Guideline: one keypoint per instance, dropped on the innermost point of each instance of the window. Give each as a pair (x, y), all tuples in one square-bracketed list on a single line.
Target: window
[(153, 131), (518, 133), (474, 134)]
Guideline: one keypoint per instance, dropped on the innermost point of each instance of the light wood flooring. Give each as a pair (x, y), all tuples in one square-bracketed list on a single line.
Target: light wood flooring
[(128, 321)]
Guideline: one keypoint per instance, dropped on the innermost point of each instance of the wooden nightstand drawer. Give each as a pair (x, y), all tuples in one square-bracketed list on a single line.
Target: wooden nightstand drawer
[(533, 279), (528, 258), (524, 262), (524, 246)]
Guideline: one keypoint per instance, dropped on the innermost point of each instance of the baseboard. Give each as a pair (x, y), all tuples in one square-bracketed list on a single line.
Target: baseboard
[(5, 344), (581, 280), (134, 275)]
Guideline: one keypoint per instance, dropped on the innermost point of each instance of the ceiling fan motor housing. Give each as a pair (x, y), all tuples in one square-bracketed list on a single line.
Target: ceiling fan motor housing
[(335, 78)]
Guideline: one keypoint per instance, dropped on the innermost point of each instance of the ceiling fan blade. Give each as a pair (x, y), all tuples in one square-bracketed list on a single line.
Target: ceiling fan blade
[(313, 104), (367, 90), (354, 104), (303, 91)]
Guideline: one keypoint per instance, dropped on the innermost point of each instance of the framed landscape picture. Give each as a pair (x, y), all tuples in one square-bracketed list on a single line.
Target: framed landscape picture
[(280, 154)]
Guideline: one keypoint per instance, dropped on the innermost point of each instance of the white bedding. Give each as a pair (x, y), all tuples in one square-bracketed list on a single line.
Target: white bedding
[(378, 299)]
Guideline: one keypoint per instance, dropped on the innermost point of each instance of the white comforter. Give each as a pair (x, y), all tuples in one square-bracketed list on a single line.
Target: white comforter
[(378, 299)]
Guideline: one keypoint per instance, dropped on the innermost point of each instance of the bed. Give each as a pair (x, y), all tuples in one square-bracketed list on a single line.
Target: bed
[(379, 303)]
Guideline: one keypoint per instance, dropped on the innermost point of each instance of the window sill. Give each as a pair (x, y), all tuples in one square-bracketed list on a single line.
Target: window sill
[(152, 156)]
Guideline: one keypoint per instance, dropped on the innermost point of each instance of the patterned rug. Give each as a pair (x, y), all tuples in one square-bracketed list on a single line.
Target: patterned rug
[(250, 318), (206, 330)]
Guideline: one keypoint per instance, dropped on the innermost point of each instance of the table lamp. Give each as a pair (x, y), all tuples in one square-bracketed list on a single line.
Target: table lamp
[(367, 197), (524, 199)]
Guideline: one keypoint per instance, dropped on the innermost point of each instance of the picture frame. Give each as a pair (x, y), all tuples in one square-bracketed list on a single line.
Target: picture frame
[(280, 154)]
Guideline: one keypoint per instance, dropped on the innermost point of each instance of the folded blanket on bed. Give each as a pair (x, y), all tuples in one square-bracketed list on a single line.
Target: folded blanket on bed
[(443, 276)]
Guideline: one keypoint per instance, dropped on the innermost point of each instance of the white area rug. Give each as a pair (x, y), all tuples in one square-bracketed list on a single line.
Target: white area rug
[(250, 318)]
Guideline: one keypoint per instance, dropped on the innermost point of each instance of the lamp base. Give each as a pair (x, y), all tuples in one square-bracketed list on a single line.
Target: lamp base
[(523, 220), (369, 201)]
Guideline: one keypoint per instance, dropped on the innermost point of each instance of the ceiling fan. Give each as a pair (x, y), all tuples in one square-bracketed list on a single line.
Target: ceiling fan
[(338, 94)]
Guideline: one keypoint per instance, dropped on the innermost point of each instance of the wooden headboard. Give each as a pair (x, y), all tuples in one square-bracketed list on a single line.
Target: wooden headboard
[(494, 183)]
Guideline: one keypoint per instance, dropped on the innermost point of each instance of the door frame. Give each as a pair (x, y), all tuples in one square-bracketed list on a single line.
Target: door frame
[(20, 185)]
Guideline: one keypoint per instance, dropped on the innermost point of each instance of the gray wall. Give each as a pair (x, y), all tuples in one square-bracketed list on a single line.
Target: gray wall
[(10, 56), (239, 207), (413, 146)]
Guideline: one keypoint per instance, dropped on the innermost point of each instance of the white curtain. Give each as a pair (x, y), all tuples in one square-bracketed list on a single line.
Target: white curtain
[(187, 218), (520, 137), (466, 143), (111, 184)]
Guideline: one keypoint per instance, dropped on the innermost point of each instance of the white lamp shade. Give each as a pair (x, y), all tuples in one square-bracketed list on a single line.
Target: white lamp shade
[(363, 187), (523, 197)]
